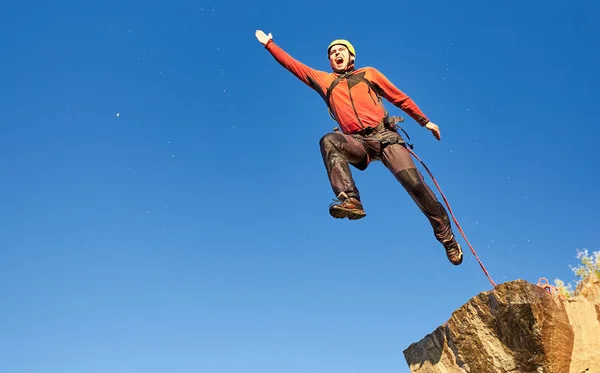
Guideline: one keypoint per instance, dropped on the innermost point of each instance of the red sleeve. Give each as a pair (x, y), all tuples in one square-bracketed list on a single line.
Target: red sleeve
[(399, 98), (307, 74)]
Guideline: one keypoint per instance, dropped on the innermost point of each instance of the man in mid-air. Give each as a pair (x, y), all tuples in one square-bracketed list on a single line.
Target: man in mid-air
[(354, 100)]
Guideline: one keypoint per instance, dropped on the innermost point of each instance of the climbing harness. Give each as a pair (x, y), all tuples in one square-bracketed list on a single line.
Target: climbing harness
[(392, 122)]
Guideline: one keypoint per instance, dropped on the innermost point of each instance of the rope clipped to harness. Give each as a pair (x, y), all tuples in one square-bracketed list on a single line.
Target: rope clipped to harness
[(392, 122), (454, 218)]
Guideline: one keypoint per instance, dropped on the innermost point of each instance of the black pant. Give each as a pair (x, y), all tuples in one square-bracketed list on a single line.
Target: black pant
[(341, 150)]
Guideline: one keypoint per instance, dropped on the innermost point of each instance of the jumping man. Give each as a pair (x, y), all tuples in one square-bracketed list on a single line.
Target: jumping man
[(354, 100)]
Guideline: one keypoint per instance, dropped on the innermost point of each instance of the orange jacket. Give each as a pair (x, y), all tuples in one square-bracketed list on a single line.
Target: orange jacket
[(355, 108)]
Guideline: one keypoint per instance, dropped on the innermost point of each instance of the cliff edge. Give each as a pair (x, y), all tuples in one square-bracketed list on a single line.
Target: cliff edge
[(517, 327)]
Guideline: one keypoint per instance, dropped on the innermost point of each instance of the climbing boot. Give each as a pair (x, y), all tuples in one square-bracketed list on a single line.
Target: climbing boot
[(347, 207), (453, 251)]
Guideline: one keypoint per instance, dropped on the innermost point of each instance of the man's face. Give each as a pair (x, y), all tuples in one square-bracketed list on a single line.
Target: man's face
[(339, 57)]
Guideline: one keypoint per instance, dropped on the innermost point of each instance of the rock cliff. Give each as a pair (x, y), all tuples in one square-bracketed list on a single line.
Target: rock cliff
[(518, 327)]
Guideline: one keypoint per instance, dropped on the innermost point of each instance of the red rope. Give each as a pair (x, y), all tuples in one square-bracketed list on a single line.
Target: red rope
[(453, 218), (549, 288)]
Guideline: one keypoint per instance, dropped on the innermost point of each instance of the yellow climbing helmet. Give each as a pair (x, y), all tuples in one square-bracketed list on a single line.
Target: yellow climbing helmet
[(343, 42)]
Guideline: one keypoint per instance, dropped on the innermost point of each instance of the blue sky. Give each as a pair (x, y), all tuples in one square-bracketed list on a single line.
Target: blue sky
[(165, 203)]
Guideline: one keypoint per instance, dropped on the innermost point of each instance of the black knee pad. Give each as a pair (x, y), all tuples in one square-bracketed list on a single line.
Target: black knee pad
[(415, 186), (410, 179)]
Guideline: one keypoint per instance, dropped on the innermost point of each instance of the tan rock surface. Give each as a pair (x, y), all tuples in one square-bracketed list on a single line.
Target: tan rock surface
[(517, 327)]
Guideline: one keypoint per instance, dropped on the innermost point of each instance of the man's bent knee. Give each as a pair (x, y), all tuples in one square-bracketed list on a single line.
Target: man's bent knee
[(332, 140), (410, 179)]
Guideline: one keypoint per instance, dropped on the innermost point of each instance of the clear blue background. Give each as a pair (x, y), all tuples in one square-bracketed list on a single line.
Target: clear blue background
[(190, 233)]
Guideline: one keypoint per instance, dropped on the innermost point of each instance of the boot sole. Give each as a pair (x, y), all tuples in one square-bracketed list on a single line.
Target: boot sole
[(457, 263), (350, 214)]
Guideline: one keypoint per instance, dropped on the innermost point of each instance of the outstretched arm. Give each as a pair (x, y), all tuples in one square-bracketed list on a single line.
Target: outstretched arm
[(306, 74), (401, 100)]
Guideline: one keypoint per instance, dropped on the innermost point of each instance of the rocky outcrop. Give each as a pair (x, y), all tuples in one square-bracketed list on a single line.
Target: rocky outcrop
[(517, 327)]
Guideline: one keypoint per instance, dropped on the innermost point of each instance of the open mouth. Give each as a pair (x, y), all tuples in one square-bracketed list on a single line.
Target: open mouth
[(339, 60)]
